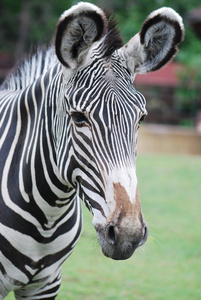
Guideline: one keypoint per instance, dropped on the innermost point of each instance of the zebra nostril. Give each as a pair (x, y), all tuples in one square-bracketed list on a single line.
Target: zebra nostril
[(146, 231), (110, 234)]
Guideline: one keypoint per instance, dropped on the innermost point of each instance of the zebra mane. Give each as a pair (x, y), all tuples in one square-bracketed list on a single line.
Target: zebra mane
[(30, 69), (113, 39)]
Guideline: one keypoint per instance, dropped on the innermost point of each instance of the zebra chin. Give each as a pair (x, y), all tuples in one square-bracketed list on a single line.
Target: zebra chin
[(116, 245)]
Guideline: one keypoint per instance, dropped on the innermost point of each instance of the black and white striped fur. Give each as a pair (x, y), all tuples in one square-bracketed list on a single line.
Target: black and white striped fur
[(68, 131)]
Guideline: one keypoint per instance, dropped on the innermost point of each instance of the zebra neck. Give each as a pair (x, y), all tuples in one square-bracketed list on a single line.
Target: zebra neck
[(54, 188), (28, 157)]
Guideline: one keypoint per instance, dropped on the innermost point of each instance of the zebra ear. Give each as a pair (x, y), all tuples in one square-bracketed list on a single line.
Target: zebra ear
[(156, 43), (78, 28)]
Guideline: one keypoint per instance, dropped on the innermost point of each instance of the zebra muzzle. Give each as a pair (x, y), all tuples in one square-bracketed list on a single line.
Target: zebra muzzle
[(117, 244)]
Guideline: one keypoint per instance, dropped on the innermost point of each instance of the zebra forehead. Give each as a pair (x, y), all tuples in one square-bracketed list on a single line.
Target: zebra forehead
[(103, 81)]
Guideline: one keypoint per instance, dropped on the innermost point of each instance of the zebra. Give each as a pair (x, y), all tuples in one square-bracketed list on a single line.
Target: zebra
[(69, 118)]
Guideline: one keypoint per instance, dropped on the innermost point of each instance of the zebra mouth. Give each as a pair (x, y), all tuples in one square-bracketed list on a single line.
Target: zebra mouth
[(122, 252), (118, 248)]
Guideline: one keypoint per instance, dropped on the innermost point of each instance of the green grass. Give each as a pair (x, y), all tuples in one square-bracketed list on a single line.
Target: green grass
[(168, 266)]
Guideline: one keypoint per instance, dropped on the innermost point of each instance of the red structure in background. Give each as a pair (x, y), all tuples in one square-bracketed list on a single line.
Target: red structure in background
[(159, 88), (167, 76)]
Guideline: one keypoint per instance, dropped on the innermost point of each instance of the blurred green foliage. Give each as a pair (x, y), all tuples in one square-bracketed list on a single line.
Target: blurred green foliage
[(35, 19)]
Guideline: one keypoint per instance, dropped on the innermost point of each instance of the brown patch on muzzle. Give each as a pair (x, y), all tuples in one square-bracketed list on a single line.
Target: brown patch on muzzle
[(123, 203)]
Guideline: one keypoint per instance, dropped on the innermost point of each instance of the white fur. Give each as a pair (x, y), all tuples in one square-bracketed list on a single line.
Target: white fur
[(168, 13), (81, 7)]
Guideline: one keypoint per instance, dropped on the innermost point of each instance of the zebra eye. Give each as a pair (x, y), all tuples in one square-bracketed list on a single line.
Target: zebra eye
[(79, 119), (141, 120)]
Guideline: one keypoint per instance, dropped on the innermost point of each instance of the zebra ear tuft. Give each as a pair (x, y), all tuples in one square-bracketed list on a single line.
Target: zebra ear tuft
[(78, 28), (156, 43)]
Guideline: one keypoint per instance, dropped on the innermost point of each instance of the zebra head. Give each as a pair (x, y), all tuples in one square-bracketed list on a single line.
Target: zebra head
[(100, 112)]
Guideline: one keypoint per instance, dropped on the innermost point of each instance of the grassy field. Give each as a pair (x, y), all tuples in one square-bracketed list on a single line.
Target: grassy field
[(168, 266)]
